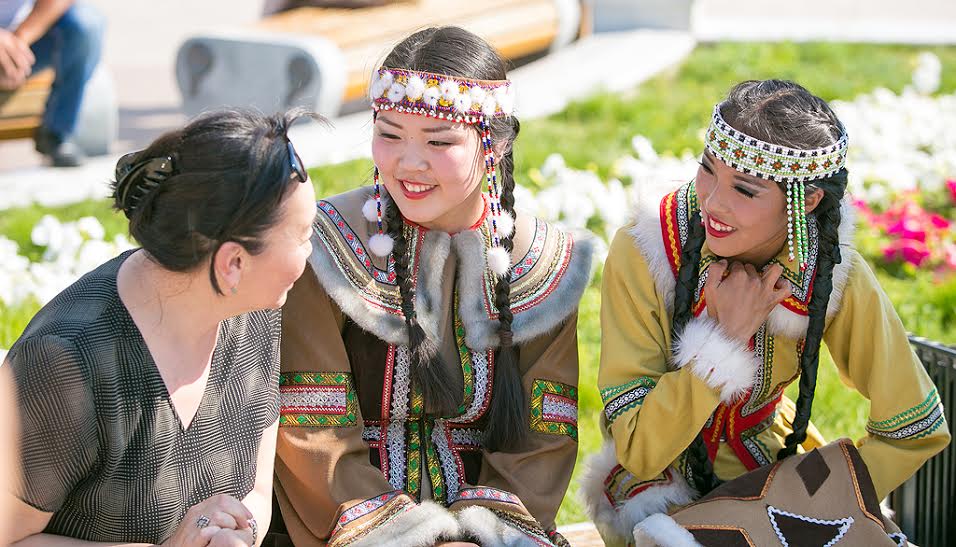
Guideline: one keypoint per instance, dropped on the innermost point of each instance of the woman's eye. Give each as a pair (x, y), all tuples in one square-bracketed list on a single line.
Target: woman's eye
[(744, 191), (439, 143), (388, 136), (705, 168)]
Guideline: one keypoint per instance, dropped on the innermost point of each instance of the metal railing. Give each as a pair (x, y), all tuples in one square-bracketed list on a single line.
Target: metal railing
[(925, 505)]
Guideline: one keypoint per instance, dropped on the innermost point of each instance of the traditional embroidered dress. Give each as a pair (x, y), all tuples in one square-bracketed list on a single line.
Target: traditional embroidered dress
[(360, 461), (656, 402)]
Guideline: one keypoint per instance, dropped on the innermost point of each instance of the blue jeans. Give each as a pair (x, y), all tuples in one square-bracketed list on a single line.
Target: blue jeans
[(72, 47)]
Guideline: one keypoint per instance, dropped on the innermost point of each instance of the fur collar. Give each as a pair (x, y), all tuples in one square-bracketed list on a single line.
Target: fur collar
[(648, 234), (550, 270)]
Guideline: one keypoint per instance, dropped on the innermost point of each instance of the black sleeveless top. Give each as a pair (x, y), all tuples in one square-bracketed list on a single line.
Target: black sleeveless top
[(102, 447)]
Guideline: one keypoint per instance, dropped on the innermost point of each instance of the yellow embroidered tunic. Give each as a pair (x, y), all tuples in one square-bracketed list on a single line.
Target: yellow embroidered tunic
[(655, 403)]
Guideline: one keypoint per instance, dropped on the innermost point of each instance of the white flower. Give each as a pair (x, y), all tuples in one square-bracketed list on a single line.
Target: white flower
[(396, 92), (431, 96), (415, 88), (91, 227), (927, 75)]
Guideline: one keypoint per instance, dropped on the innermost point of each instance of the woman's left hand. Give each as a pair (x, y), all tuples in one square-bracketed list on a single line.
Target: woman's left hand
[(232, 538)]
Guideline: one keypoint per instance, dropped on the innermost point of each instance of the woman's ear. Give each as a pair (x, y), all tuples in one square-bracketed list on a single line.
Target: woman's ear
[(228, 263), (813, 198)]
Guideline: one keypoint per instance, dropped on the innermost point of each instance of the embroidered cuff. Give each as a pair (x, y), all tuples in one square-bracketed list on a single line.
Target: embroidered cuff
[(617, 500), (554, 408), (317, 399), (722, 362), (394, 520)]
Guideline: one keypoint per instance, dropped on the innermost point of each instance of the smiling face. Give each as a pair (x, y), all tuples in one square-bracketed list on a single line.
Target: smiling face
[(431, 168), (745, 217)]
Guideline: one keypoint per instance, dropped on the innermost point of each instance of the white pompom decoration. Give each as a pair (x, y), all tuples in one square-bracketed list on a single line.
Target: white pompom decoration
[(415, 88), (381, 245), (499, 260), (370, 210), (506, 224), (463, 103), (449, 90), (489, 106), (478, 95), (396, 92), (431, 96)]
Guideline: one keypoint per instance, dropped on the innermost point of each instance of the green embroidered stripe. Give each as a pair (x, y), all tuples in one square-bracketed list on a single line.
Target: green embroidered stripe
[(908, 415), (609, 393)]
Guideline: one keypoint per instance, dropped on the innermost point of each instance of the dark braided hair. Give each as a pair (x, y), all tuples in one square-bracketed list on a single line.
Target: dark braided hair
[(455, 51), (784, 113)]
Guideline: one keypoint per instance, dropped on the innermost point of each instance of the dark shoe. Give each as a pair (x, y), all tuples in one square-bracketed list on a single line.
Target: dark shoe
[(62, 153)]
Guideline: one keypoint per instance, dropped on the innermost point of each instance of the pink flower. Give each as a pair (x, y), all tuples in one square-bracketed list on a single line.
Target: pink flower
[(949, 255), (939, 222), (908, 228), (951, 184), (914, 252)]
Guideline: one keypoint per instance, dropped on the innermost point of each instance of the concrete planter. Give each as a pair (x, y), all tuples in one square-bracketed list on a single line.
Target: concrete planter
[(612, 15)]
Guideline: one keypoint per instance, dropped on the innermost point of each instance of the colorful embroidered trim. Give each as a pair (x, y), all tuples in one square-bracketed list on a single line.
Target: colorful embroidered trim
[(440, 96), (487, 494), (389, 505), (554, 408), (619, 399), (355, 244), (317, 399), (770, 161), (621, 485), (914, 423)]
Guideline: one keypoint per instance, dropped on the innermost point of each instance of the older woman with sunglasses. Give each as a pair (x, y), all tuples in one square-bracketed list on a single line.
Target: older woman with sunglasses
[(147, 390)]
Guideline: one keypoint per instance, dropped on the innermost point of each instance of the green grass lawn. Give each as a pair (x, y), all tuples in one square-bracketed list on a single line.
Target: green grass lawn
[(672, 110)]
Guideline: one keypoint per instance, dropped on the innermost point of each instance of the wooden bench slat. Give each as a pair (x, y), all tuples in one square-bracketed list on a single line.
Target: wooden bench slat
[(19, 128)]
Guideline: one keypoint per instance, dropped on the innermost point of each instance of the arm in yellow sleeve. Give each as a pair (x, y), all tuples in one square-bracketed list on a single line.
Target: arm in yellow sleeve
[(869, 346)]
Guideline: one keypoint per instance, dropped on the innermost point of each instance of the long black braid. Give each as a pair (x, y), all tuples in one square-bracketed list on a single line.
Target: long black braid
[(507, 415), (428, 372)]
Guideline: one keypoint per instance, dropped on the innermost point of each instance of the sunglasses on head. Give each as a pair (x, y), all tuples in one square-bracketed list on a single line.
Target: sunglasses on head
[(296, 162)]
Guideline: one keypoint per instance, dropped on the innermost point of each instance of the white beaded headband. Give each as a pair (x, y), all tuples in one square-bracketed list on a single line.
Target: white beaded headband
[(776, 163), (461, 100)]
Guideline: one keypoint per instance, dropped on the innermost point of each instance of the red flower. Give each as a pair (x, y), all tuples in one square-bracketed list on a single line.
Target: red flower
[(951, 184), (914, 252)]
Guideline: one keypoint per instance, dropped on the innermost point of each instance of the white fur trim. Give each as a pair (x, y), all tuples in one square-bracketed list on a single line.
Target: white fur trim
[(370, 211), (396, 92), (481, 523), (720, 361), (619, 522), (431, 96), (505, 223), (499, 260), (418, 527), (649, 237), (381, 244), (661, 530)]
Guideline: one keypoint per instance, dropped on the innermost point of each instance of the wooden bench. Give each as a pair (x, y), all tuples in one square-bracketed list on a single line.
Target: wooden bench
[(323, 57), (21, 110)]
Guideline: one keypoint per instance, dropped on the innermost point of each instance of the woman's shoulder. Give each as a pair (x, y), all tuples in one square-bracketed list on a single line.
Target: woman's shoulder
[(82, 309)]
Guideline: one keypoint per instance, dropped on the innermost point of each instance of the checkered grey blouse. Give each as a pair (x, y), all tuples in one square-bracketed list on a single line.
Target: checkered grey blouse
[(102, 448)]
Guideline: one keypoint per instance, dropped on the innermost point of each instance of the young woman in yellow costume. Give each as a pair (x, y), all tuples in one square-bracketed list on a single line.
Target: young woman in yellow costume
[(719, 295)]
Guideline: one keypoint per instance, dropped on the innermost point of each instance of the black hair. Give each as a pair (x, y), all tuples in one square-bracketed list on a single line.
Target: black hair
[(457, 52), (223, 177), (780, 112)]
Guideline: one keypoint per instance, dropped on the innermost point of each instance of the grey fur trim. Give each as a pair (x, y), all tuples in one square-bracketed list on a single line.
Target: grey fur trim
[(481, 331), (387, 326), (421, 526)]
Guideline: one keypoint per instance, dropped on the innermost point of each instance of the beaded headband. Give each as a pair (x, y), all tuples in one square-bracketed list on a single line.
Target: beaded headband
[(771, 161), (460, 100), (776, 163)]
